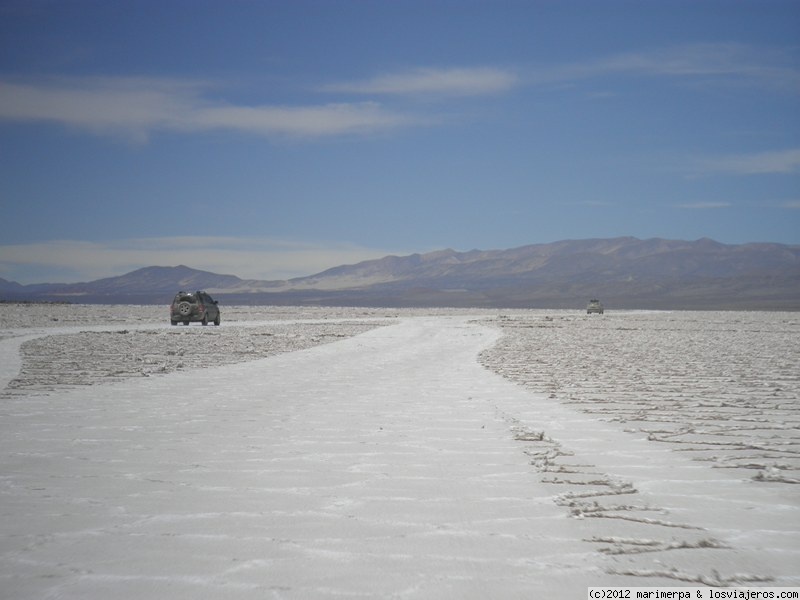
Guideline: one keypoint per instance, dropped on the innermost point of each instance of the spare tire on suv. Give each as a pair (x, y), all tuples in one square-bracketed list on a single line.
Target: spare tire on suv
[(188, 307)]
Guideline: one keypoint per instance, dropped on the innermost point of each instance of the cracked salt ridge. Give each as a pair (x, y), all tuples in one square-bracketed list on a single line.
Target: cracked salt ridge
[(728, 376), (92, 357)]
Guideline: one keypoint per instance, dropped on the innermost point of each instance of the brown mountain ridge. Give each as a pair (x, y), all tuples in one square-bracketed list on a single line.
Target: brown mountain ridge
[(624, 272)]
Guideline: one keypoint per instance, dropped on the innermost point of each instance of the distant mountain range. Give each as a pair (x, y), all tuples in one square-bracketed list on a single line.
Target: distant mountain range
[(623, 272)]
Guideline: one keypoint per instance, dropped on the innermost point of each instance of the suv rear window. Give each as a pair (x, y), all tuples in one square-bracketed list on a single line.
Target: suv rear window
[(186, 298)]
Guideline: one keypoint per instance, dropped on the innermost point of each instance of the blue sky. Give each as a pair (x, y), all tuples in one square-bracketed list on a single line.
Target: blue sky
[(275, 139)]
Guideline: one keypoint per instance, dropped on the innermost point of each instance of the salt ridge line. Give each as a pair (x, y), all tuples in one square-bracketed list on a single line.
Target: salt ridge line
[(99, 357)]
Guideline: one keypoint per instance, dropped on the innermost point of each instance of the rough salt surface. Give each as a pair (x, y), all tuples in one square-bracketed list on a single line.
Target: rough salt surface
[(708, 404), (366, 453), (721, 387)]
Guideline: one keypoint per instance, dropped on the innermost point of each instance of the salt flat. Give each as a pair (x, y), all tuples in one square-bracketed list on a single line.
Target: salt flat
[(370, 454)]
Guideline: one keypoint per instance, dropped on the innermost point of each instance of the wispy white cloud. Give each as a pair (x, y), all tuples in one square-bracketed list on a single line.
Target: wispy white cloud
[(760, 163), (68, 261), (136, 107), (736, 64), (434, 81), (791, 204), (697, 59), (124, 106), (600, 203), (305, 121), (704, 205)]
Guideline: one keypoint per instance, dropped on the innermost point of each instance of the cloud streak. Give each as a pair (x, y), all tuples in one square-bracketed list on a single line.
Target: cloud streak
[(431, 81), (760, 163), (704, 205), (736, 64), (70, 261), (136, 107)]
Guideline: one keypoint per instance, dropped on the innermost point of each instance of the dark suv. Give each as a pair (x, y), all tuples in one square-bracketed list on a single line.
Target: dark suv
[(193, 306)]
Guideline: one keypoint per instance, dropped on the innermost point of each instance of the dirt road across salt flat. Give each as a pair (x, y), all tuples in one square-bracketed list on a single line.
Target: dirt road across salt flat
[(390, 464)]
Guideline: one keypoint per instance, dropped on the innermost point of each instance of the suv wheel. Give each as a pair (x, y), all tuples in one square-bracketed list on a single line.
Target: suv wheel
[(185, 309)]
